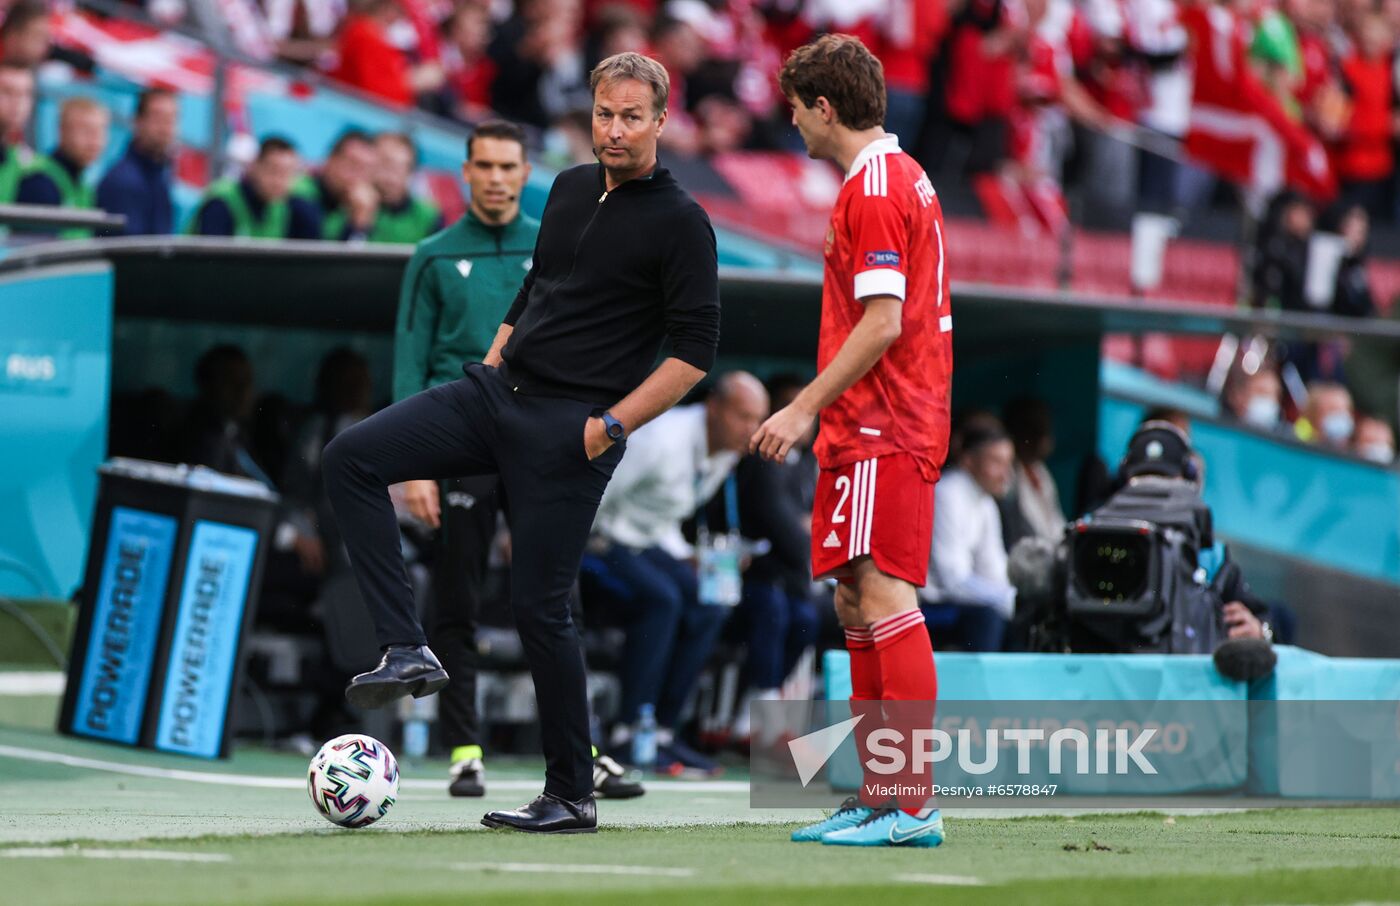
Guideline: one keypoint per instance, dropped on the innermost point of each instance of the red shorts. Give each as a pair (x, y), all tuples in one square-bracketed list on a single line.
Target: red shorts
[(879, 508)]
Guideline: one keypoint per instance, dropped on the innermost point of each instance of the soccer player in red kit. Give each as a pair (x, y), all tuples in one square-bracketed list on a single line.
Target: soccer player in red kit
[(884, 371)]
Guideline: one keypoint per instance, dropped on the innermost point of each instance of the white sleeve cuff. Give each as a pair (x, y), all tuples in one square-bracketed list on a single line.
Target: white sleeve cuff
[(882, 281)]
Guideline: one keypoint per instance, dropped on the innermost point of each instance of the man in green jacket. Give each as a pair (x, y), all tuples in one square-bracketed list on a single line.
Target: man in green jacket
[(16, 105), (342, 191), (57, 178), (402, 216), (260, 205), (456, 291)]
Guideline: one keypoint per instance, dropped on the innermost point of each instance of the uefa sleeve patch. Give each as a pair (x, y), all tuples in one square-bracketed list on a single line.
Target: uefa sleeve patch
[(882, 259)]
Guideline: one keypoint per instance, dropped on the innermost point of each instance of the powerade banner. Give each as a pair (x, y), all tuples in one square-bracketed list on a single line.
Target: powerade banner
[(125, 625), (205, 644)]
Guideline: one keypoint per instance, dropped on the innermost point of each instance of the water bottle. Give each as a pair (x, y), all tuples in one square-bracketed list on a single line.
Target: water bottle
[(417, 715), (415, 738), (644, 738)]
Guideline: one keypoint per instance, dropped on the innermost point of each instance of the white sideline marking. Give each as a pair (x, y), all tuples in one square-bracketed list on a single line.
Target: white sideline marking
[(146, 855), (32, 682), (954, 880), (297, 783), (556, 868)]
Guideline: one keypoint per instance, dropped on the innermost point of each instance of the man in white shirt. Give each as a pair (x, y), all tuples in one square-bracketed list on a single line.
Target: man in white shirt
[(671, 468), (968, 599)]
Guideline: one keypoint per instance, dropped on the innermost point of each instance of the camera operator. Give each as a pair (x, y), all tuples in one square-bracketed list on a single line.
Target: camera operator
[(1143, 572), (1243, 614)]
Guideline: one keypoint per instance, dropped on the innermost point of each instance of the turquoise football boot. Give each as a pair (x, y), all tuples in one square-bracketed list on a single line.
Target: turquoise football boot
[(849, 814), (890, 827)]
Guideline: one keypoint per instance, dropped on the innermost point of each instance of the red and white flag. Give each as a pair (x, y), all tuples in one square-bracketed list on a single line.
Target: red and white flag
[(1237, 128)]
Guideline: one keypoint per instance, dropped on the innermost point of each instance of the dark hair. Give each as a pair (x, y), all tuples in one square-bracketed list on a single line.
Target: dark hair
[(502, 129), (215, 360), (20, 15), (979, 434), (1165, 414), (143, 103), (1027, 420), (349, 137), (335, 377), (402, 138), (840, 69), (664, 25), (784, 381), (274, 144)]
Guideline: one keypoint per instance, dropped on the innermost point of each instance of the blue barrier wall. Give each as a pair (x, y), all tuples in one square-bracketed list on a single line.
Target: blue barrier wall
[(55, 363), (1319, 728)]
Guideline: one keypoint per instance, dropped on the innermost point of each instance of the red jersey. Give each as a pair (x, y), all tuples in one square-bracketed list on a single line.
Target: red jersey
[(886, 239)]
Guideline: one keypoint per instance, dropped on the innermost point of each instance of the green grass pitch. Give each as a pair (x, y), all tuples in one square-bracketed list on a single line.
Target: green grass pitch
[(83, 824)]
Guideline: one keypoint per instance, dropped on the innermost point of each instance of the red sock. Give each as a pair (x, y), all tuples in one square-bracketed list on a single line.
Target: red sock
[(865, 698), (907, 674), (905, 654)]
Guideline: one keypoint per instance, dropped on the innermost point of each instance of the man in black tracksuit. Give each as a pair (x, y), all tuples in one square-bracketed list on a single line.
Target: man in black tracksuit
[(624, 258)]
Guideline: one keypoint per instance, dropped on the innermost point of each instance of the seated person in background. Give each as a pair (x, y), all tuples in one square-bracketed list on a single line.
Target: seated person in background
[(25, 36), (344, 390), (1245, 615), (16, 106), (969, 600), (469, 69), (1352, 297), (775, 505), (671, 467), (215, 430), (1255, 398), (1327, 417), (402, 217), (1033, 501), (259, 206), (1281, 254), (1374, 440), (342, 192), (138, 185), (57, 178)]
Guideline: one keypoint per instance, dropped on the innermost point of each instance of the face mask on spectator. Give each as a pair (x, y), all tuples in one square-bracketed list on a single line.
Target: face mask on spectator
[(1377, 452), (1337, 426), (1261, 412)]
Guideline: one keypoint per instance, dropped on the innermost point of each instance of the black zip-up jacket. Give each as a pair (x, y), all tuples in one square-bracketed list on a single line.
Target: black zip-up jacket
[(613, 273)]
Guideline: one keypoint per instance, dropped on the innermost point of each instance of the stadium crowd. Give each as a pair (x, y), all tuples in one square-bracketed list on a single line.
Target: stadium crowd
[(1020, 96), (1028, 89)]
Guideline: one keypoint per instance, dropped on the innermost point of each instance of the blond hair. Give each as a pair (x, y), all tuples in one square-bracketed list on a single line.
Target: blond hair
[(80, 105), (634, 66)]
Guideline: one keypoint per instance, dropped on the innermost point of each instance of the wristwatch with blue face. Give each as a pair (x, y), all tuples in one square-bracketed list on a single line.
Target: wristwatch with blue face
[(616, 430)]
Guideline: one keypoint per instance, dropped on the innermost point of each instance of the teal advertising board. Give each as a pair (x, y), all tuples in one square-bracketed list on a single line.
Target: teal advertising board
[(55, 366)]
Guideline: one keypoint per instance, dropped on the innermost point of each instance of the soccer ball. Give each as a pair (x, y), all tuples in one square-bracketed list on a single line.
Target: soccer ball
[(353, 780)]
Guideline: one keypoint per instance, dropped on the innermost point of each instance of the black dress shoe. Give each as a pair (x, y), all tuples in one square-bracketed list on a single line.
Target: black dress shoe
[(404, 670), (549, 815)]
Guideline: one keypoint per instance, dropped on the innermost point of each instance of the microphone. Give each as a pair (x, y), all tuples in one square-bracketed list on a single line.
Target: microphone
[(1245, 659)]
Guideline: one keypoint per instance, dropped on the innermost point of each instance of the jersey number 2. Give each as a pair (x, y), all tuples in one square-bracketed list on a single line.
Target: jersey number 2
[(843, 484)]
